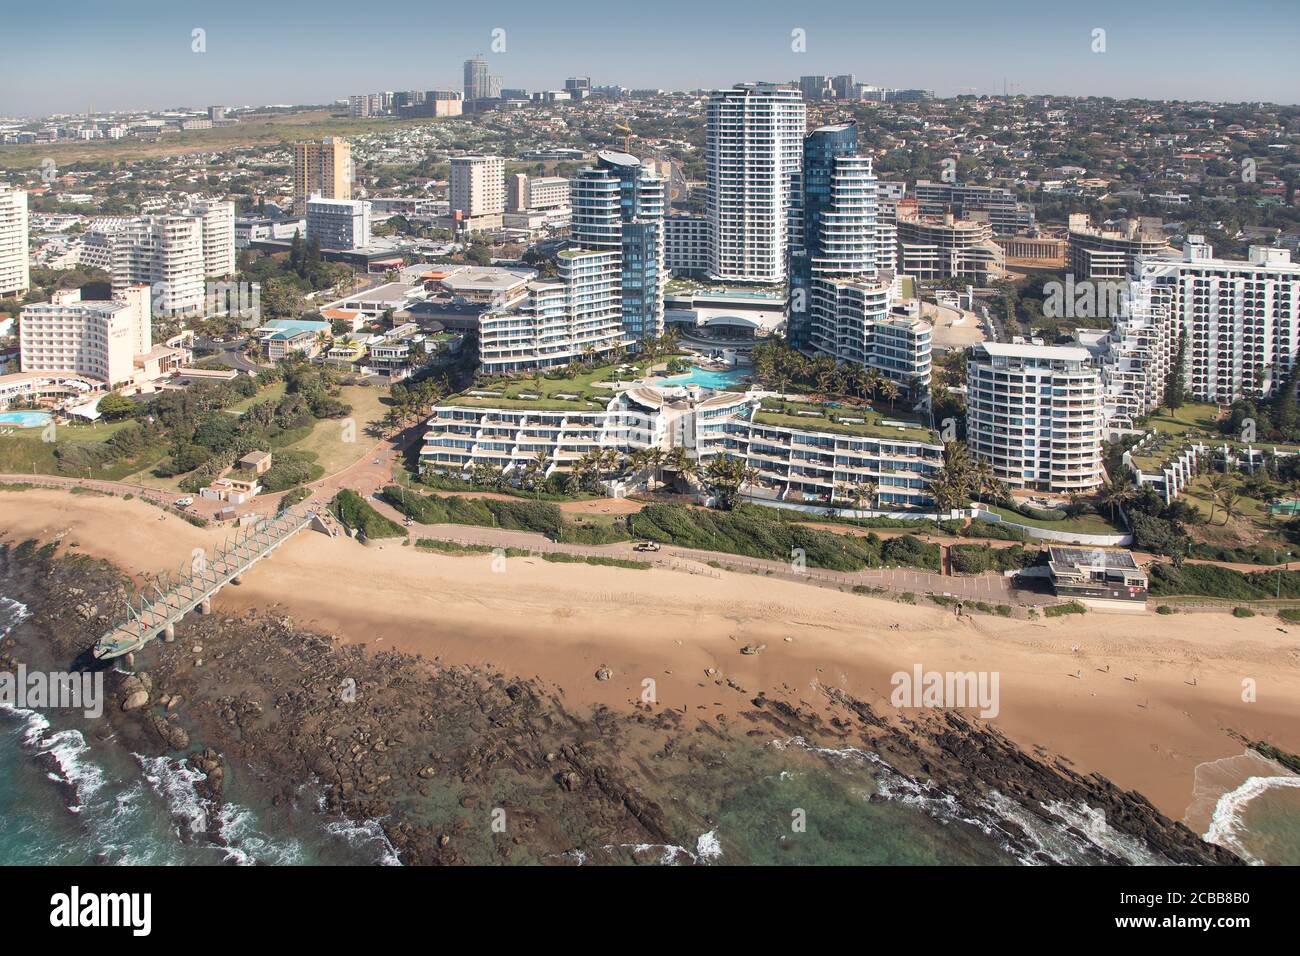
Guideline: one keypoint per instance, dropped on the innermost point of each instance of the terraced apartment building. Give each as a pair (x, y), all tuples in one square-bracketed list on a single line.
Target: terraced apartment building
[(803, 454)]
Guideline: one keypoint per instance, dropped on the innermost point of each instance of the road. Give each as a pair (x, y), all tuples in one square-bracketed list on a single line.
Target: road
[(229, 353)]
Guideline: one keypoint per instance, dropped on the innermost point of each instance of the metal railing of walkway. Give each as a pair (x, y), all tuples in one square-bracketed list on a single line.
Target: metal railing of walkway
[(147, 616)]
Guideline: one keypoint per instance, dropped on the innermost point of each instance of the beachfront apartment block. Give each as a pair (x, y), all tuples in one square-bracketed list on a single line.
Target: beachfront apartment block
[(806, 464), (577, 315), (833, 232), (753, 153), (1034, 413), (15, 274), (218, 218), (1238, 321)]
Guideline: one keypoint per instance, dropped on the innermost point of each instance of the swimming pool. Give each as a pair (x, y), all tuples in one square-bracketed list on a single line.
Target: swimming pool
[(706, 378), (25, 419)]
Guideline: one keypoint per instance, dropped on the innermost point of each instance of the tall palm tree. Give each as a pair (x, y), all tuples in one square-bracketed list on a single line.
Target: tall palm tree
[(1116, 492), (1217, 485)]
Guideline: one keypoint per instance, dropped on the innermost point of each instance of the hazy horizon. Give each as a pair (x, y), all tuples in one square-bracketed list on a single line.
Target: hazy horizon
[(97, 59)]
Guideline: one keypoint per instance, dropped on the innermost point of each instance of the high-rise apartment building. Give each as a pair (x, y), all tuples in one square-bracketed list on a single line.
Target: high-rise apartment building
[(618, 205), (754, 151), (574, 317), (833, 229), (1034, 413), (218, 216), (477, 191), (166, 254), (323, 169), (15, 275), (1238, 321), (338, 223)]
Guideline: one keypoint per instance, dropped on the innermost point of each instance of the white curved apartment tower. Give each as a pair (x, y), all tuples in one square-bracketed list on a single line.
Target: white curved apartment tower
[(754, 152), (1034, 412)]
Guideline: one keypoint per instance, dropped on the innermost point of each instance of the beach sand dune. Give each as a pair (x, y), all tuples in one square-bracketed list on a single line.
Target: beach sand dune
[(1111, 693)]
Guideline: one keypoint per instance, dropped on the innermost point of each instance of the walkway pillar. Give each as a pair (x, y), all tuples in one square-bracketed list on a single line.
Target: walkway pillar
[(169, 633), (205, 606)]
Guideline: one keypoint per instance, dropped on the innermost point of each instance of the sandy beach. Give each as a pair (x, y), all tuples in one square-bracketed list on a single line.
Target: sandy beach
[(561, 623)]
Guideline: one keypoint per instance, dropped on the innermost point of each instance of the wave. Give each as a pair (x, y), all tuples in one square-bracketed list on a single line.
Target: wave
[(12, 613), (1228, 827), (1082, 835), (1222, 792), (364, 835)]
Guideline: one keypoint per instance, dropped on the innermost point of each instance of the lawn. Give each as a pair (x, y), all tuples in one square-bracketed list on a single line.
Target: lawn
[(326, 438), (549, 391), (808, 417), (1192, 418), (1084, 524), (24, 452)]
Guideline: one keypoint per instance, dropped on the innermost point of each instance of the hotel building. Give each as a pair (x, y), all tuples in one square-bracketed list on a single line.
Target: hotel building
[(1034, 413), (99, 340)]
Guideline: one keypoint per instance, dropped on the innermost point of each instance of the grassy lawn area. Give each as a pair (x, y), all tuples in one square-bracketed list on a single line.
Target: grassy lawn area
[(326, 437), (1195, 417), (24, 452), (1197, 495), (578, 393), (1084, 524), (271, 393), (864, 421)]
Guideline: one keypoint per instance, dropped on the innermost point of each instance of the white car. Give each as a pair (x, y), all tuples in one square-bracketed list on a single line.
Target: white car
[(184, 502)]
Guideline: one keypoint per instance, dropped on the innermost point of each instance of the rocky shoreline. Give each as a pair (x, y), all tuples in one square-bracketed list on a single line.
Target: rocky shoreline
[(463, 766)]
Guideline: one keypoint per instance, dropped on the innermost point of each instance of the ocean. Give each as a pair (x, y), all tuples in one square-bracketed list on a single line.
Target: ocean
[(67, 799)]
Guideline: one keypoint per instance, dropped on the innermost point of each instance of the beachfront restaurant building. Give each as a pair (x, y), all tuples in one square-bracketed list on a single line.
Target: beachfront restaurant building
[(1099, 577)]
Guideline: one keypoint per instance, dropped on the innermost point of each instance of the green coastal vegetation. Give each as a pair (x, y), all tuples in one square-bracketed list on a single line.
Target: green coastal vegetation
[(356, 514)]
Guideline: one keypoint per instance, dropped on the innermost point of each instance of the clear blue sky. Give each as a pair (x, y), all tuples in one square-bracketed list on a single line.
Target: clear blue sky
[(92, 54)]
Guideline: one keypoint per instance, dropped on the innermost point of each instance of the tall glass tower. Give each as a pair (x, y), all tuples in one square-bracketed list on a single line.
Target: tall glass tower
[(618, 204)]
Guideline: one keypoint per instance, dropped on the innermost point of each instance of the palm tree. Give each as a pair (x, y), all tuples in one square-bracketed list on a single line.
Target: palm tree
[(1217, 485), (1116, 492), (889, 390), (865, 491)]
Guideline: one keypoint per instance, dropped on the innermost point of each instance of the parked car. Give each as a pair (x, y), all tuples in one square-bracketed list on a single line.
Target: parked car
[(184, 502), (646, 546)]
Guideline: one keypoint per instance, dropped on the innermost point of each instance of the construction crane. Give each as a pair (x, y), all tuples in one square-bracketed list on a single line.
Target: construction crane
[(627, 140)]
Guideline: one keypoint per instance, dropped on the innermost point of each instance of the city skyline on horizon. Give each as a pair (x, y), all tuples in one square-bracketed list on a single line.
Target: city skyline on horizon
[(1023, 51)]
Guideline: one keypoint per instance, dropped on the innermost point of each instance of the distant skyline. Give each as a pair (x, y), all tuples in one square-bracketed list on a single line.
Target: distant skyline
[(137, 54)]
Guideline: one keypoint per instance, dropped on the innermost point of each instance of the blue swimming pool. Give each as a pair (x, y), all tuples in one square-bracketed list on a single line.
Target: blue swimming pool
[(706, 378), (25, 419)]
